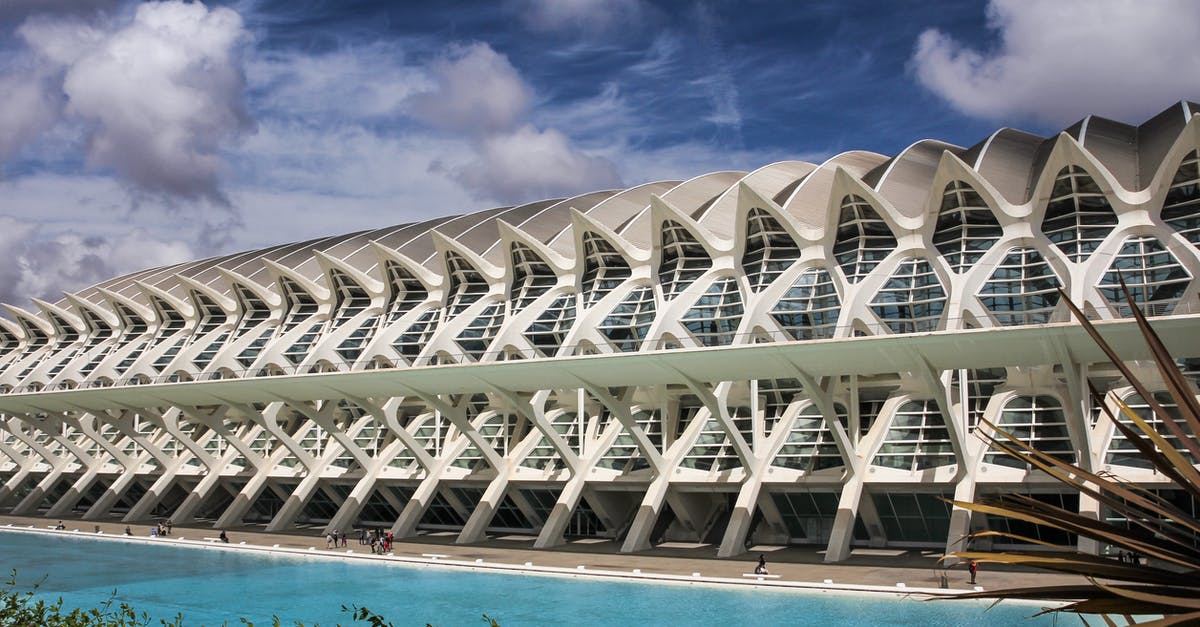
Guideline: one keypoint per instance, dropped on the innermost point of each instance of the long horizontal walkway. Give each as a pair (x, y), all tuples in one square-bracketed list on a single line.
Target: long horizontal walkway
[(866, 567)]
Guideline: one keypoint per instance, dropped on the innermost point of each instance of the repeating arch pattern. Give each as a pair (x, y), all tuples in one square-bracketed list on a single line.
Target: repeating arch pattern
[(763, 366)]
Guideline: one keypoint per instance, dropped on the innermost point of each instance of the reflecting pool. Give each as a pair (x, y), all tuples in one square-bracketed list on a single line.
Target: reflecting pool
[(211, 587)]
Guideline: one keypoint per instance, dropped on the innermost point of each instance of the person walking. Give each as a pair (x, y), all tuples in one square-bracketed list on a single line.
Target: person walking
[(973, 568)]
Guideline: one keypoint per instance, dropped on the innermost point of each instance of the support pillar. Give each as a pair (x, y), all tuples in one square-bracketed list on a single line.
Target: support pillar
[(110, 497), (843, 522), (638, 538), (960, 519), (348, 512), (1090, 508), (14, 482), (295, 502), (67, 502), (560, 516), (236, 511), (31, 501), (734, 541), (414, 510), (186, 512), (141, 510), (485, 510)]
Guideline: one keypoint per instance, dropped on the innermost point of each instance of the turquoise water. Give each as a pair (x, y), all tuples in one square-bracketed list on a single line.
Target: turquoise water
[(210, 587)]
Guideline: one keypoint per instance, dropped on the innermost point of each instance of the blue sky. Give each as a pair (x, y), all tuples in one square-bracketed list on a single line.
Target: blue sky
[(139, 134)]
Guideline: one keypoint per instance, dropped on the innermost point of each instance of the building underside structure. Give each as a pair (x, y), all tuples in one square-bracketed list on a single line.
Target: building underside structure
[(799, 354)]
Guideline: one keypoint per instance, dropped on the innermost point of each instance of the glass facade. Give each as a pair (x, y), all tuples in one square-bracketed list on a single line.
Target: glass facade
[(1121, 451), (351, 300), (1153, 276), (863, 238), (916, 439), (531, 278), (1022, 529), (714, 319), (467, 285), (683, 259), (406, 291), (809, 309), (981, 385), (478, 335), (777, 395), (550, 330), (912, 300), (713, 449), (626, 326), (918, 518), (211, 318), (770, 249), (603, 269), (1078, 216), (810, 445), (809, 516), (624, 455), (966, 228), (1038, 421), (1022, 290), (1181, 208), (410, 343)]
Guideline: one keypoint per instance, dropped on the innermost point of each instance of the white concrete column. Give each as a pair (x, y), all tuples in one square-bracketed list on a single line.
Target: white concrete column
[(236, 510), (476, 528), (556, 523), (151, 498), (349, 510), (29, 504), (100, 508), (58, 466), (843, 522), (25, 462), (67, 502), (638, 538), (295, 502), (1090, 508), (734, 541), (14, 482), (414, 509), (960, 519)]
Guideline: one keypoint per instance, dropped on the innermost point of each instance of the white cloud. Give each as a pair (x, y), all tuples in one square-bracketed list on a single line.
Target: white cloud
[(31, 106), (161, 94), (354, 82), (1060, 60), (43, 264), (477, 90), (529, 164), (578, 16), (479, 94)]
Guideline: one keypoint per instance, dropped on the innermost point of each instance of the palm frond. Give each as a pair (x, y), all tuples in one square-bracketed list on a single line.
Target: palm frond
[(1153, 525)]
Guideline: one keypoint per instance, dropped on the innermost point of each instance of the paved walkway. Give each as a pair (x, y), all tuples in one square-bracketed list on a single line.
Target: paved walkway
[(866, 567)]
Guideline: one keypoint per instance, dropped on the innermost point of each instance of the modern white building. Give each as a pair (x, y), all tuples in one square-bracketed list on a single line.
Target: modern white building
[(798, 354)]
